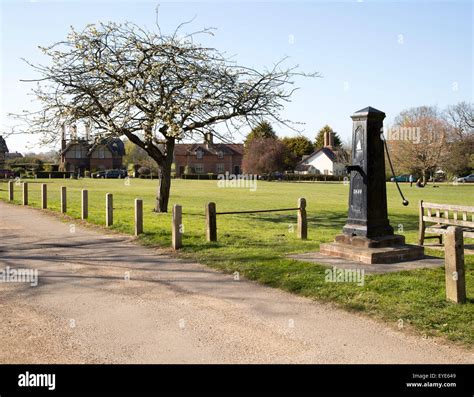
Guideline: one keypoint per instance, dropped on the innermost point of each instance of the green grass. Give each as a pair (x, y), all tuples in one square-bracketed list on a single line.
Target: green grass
[(256, 245)]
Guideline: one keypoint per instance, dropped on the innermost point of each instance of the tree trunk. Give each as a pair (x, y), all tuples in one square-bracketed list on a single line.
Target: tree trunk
[(424, 179), (164, 184)]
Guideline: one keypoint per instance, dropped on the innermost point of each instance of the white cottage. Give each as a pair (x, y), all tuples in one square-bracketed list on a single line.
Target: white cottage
[(322, 161)]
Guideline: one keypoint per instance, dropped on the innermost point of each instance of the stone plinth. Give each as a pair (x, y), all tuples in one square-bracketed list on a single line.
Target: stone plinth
[(389, 249), (370, 242)]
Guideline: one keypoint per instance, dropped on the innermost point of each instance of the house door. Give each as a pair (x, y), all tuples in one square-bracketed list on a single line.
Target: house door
[(181, 170), (236, 170)]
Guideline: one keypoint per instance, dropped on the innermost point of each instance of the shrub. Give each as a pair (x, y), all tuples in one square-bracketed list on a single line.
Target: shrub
[(54, 174), (144, 171)]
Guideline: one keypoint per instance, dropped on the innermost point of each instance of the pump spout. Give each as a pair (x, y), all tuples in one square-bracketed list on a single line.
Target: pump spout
[(356, 168)]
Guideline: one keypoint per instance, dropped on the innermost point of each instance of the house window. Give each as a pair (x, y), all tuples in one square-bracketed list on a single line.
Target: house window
[(199, 154), (220, 154), (220, 168), (198, 168), (78, 152), (101, 151)]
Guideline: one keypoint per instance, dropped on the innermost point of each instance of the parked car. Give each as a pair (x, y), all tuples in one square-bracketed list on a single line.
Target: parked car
[(8, 174), (402, 178), (466, 179), (438, 178), (110, 174)]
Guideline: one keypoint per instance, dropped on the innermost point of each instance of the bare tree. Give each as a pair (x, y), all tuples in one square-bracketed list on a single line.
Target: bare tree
[(421, 149), (461, 117), (459, 159), (153, 88)]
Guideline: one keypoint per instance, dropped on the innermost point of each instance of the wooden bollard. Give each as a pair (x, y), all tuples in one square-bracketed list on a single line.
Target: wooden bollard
[(44, 196), (302, 228), (84, 204), (109, 209), (454, 265), (138, 217), (421, 225), (63, 200), (176, 227), (25, 193), (11, 190), (211, 223)]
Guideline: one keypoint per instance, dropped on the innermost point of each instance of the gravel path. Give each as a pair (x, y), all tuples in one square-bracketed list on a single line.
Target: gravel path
[(102, 298)]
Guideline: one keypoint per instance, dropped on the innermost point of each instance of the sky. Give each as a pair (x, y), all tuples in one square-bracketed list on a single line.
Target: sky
[(388, 55)]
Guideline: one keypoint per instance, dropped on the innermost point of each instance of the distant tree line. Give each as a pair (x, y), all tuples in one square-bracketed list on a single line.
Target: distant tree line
[(30, 163)]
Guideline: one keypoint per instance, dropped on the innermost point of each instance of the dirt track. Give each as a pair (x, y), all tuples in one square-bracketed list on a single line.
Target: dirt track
[(84, 310)]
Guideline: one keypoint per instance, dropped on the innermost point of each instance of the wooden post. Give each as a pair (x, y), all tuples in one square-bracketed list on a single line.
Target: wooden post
[(454, 265), (84, 204), (302, 228), (44, 196), (421, 231), (63, 199), (25, 193), (109, 210), (11, 190), (176, 227), (211, 223), (138, 217)]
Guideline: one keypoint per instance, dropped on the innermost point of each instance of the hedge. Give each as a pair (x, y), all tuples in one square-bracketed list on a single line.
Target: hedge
[(54, 174)]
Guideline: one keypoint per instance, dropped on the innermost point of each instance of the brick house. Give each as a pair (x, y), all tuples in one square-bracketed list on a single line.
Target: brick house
[(79, 154), (5, 154), (208, 157)]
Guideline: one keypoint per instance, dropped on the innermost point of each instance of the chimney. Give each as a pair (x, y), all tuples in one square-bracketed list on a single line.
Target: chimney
[(63, 137), (73, 132), (331, 140), (88, 131), (208, 138)]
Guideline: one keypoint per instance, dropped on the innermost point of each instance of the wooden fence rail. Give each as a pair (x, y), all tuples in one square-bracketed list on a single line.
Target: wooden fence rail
[(256, 211), (211, 218)]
